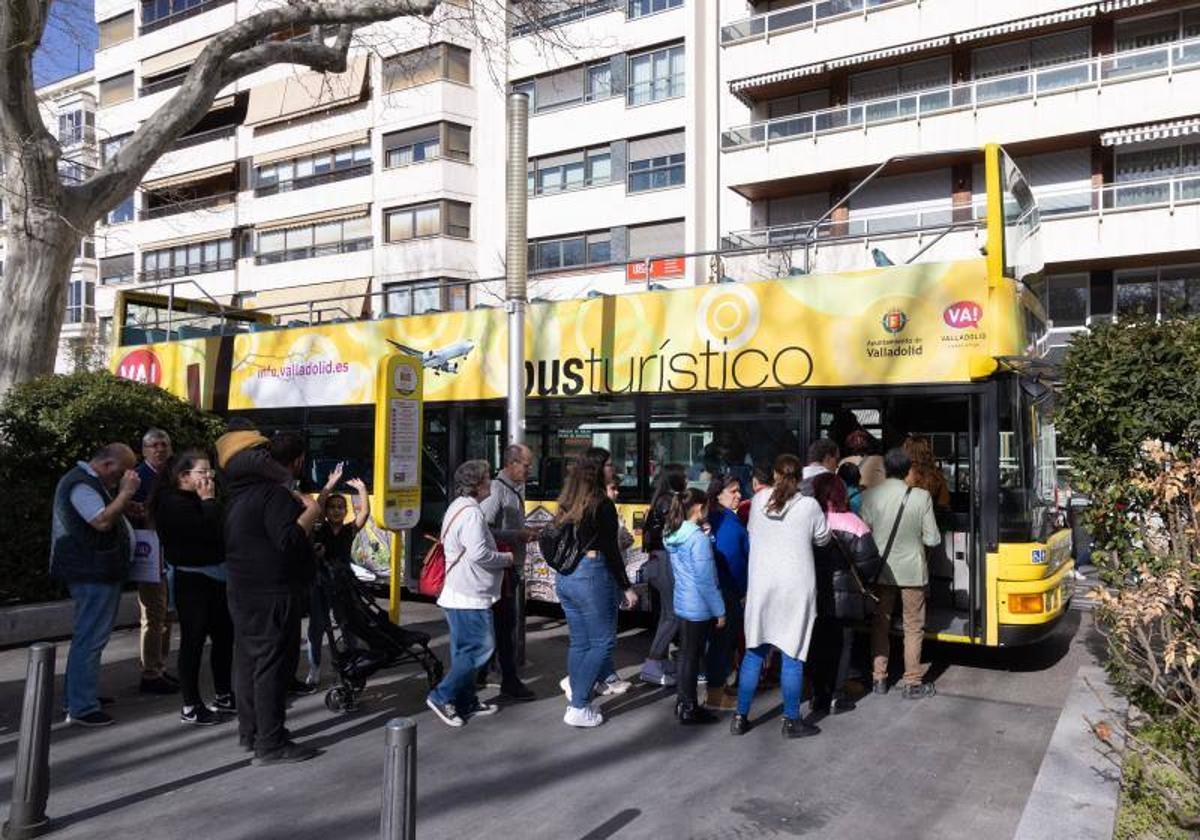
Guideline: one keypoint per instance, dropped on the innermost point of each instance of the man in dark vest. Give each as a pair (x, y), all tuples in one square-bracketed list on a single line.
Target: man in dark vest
[(91, 548)]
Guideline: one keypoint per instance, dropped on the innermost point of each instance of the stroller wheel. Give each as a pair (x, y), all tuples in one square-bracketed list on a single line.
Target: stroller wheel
[(338, 699)]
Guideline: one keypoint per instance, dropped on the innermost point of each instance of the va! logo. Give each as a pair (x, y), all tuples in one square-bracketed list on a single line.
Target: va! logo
[(141, 366), (894, 320), (964, 314)]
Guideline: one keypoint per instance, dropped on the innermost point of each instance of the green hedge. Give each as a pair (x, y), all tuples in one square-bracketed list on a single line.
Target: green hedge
[(1123, 385), (45, 427)]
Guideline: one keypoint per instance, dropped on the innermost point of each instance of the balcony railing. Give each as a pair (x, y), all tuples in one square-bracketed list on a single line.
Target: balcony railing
[(566, 15), (1095, 72), (313, 180), (160, 274), (190, 206), (160, 85), (655, 90), (202, 137), (1053, 202), (185, 11), (804, 15), (308, 252)]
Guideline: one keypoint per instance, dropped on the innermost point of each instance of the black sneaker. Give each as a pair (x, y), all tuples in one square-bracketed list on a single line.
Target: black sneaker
[(841, 705), (199, 715), (289, 753), (300, 687), (798, 729), (92, 720), (919, 691), (445, 711), (880, 687), (696, 715), (740, 725), (225, 704), (821, 704), (518, 692), (157, 685)]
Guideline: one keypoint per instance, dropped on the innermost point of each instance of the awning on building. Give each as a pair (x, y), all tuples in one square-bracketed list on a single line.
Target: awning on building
[(349, 139), (902, 49), (170, 60), (1078, 13), (1151, 131), (1117, 5), (189, 177), (352, 212), (307, 93), (739, 85), (192, 239)]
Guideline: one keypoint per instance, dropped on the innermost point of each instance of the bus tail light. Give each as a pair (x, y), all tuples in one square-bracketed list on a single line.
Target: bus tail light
[(1026, 603)]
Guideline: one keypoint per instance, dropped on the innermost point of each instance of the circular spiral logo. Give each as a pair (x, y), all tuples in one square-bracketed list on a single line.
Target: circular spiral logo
[(728, 316)]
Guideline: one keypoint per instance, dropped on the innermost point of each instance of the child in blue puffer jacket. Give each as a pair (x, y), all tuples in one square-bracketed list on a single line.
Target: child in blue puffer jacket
[(697, 598)]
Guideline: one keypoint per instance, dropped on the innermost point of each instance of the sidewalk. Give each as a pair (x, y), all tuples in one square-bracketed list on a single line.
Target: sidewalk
[(961, 764)]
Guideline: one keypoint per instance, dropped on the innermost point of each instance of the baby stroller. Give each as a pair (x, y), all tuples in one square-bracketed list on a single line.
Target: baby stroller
[(363, 639)]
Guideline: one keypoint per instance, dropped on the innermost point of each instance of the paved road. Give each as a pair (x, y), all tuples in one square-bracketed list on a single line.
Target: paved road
[(959, 765)]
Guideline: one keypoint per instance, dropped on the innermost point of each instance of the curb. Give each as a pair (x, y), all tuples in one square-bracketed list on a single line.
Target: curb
[(53, 620), (1076, 791)]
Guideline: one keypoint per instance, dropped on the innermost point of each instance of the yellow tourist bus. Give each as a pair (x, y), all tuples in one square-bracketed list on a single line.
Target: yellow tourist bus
[(719, 376)]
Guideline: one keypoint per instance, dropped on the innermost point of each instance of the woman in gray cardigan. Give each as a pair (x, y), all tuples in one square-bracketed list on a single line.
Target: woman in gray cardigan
[(781, 600)]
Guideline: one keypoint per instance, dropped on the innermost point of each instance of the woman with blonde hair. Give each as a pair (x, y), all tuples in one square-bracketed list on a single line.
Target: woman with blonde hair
[(924, 472)]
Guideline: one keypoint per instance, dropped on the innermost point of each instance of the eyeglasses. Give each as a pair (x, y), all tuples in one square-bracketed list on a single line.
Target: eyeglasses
[(204, 473)]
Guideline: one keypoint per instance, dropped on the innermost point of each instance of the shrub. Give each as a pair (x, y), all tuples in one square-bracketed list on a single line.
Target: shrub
[(45, 427)]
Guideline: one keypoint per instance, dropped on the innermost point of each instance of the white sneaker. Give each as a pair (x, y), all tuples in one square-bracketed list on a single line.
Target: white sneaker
[(314, 676), (565, 685), (584, 718), (614, 685), (483, 709)]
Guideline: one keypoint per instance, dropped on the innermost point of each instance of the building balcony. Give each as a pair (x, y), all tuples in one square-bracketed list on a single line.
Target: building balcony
[(1089, 95), (331, 177), (191, 205), (801, 16), (200, 219), (156, 16)]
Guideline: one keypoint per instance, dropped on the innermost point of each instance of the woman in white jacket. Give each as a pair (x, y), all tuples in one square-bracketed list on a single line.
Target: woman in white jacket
[(474, 572), (781, 600)]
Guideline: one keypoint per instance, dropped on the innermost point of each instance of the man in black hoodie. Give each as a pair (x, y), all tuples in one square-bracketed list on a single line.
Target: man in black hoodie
[(268, 555)]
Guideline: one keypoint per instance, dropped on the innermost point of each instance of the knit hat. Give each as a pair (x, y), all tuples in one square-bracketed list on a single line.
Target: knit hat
[(231, 443)]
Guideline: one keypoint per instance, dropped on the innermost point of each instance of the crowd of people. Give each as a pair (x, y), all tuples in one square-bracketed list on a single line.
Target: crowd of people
[(745, 586), (751, 583)]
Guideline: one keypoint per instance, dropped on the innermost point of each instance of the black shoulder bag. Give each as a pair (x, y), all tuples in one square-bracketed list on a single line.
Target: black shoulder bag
[(895, 527)]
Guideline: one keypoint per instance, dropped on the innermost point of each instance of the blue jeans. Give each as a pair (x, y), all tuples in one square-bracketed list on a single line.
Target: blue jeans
[(590, 599), (472, 641), (96, 607), (791, 681)]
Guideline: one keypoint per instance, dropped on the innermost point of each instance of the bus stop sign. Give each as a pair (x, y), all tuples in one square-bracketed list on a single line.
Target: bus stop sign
[(398, 426)]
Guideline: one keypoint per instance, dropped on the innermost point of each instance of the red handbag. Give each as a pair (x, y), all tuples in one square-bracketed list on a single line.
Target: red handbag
[(433, 568)]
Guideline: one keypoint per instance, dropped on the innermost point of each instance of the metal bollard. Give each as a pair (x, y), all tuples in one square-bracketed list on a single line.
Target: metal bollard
[(31, 778), (398, 819)]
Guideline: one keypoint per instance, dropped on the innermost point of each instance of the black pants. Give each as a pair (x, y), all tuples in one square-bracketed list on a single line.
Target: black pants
[(266, 651), (692, 638), (203, 611), (504, 622), (657, 572), (829, 656)]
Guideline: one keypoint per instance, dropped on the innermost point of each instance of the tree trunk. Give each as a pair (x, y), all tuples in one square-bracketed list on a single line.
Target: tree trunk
[(37, 270)]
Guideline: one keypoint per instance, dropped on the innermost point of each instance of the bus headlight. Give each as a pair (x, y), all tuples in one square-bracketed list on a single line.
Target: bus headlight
[(1026, 604)]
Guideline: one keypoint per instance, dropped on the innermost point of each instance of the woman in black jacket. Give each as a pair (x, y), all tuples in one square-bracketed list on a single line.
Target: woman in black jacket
[(658, 668), (187, 517), (845, 568)]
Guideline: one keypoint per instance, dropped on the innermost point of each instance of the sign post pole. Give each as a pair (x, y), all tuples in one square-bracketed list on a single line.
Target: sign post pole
[(398, 427)]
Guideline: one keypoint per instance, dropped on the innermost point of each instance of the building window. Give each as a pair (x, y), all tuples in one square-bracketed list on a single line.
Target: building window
[(420, 296), (656, 162), (641, 8), (661, 239), (322, 239), (115, 90), (1161, 29), (897, 81), (557, 14), (436, 218), (114, 270), (570, 171), (656, 75), (572, 86), (582, 250), (323, 167), (429, 64), (104, 329), (427, 142), (1155, 293), (110, 147), (72, 172), (115, 30), (87, 248), (186, 260), (1067, 299), (122, 213), (159, 13), (81, 302), (75, 127)]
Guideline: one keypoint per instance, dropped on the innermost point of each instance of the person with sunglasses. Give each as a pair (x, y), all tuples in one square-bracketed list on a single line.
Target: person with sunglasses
[(187, 517)]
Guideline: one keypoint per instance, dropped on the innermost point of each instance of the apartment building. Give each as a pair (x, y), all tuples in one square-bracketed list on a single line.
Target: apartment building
[(659, 127), (68, 109)]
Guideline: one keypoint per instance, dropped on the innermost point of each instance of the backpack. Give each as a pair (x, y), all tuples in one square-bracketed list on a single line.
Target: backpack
[(433, 567), (559, 543)]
